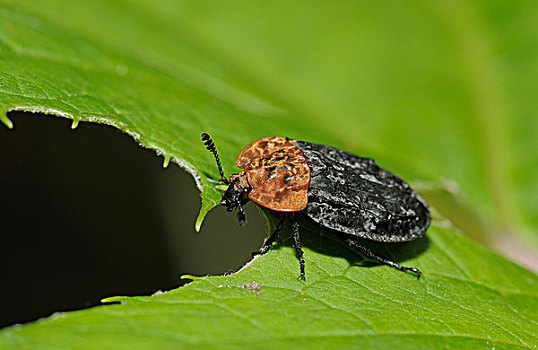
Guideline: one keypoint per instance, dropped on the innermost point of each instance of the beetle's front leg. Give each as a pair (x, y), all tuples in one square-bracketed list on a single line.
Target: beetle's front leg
[(271, 239)]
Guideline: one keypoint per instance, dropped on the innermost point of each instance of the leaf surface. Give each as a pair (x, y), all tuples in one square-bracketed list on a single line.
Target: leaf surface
[(467, 298), (376, 79)]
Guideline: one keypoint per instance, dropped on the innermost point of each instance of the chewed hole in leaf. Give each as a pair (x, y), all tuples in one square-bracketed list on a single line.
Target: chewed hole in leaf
[(90, 214)]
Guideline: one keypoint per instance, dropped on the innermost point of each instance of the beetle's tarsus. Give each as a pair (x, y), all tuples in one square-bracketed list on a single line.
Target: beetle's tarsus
[(414, 270)]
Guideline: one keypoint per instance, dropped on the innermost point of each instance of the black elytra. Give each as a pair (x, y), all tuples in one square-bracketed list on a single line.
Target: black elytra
[(335, 189)]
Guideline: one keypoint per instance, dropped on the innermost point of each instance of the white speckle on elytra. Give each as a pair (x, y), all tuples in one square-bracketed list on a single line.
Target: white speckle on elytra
[(370, 178), (368, 225)]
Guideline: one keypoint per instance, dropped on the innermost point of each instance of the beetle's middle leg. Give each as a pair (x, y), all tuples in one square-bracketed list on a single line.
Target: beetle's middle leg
[(297, 242), (271, 239), (370, 254)]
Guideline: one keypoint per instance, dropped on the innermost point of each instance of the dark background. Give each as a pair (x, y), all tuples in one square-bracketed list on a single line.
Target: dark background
[(87, 214)]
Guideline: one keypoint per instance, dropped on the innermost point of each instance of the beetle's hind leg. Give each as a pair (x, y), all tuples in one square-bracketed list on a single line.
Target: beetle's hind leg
[(271, 239), (370, 254)]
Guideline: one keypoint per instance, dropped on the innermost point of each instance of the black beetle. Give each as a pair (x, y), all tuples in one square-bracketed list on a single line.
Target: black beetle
[(336, 189)]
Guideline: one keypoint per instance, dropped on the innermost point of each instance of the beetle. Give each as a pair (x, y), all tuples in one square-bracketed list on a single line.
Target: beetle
[(336, 189)]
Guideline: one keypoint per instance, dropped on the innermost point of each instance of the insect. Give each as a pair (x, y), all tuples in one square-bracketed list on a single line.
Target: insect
[(336, 189)]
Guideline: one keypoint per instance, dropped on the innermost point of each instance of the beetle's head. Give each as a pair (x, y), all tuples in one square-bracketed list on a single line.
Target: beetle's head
[(236, 195)]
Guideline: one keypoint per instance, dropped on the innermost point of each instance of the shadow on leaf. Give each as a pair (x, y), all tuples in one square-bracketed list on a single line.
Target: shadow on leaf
[(331, 243)]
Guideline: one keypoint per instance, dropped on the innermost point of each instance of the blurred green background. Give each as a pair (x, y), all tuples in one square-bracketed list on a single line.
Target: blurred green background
[(442, 93)]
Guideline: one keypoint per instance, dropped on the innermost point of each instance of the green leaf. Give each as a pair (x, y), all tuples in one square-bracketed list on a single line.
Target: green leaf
[(453, 76), (467, 298), (54, 67), (437, 89)]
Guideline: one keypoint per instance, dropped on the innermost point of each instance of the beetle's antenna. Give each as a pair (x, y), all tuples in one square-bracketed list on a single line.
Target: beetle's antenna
[(210, 145)]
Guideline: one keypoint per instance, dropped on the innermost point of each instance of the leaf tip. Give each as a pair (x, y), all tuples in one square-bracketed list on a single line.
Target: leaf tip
[(201, 216), (191, 277), (6, 121), (166, 161), (117, 299), (74, 124), (199, 221), (208, 203)]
